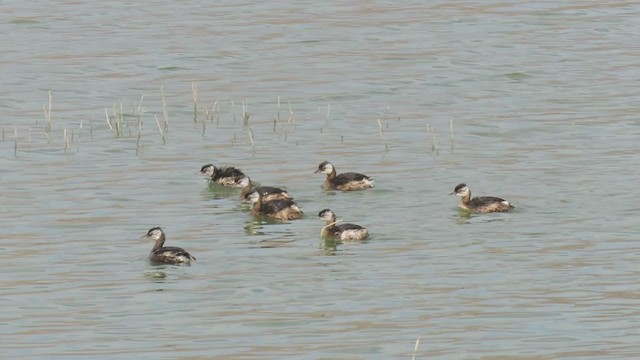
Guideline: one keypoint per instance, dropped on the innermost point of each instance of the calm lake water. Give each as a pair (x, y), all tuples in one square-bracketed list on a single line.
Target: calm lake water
[(536, 102)]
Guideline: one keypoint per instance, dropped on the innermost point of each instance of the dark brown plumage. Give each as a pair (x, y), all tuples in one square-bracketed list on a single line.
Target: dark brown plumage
[(480, 204), (225, 176), (276, 209), (348, 181), (344, 232), (267, 193), (166, 254)]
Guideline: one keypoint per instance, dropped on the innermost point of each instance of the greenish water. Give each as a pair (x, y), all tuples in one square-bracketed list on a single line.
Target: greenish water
[(542, 101)]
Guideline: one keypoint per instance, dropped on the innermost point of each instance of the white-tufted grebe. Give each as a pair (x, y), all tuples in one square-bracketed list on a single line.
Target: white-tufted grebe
[(267, 193), (480, 204), (348, 181), (166, 255), (344, 232), (277, 209), (225, 176)]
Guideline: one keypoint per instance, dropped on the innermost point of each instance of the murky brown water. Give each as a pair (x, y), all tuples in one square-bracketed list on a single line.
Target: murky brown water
[(544, 105)]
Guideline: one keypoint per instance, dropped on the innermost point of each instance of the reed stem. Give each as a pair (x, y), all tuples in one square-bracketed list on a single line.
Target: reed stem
[(165, 113), (213, 110), (415, 348), (245, 113), (278, 111), (106, 114), (194, 93), (292, 119), (253, 143), (434, 141), (47, 113), (164, 139), (65, 140), (384, 139)]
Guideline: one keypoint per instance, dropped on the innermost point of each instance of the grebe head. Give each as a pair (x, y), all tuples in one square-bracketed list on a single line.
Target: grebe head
[(154, 233), (327, 215), (253, 197), (244, 182), (325, 167), (207, 170), (460, 190)]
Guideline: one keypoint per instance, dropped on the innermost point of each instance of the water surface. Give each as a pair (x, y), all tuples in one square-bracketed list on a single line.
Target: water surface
[(542, 100)]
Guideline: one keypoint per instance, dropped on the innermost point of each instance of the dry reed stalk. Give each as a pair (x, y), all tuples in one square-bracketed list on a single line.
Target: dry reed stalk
[(194, 93), (292, 118), (415, 348), (106, 114), (119, 121), (451, 134), (278, 111), (165, 113), (245, 113), (139, 136), (140, 112), (213, 109), (118, 118), (384, 139), (233, 112), (47, 113), (164, 139), (434, 141), (65, 140), (253, 143)]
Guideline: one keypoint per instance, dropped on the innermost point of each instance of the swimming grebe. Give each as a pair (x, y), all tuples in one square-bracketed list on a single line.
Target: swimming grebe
[(480, 204), (267, 193), (346, 181), (166, 255), (225, 176), (344, 232), (277, 209)]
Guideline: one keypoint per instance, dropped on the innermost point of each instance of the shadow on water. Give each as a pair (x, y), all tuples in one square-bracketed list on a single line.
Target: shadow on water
[(329, 246), (271, 243), (465, 217), (332, 246), (157, 276), (256, 224), (215, 191), (461, 216)]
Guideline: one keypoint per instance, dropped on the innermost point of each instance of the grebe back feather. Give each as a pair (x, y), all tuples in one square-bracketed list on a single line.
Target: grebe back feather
[(267, 193), (225, 176), (285, 209)]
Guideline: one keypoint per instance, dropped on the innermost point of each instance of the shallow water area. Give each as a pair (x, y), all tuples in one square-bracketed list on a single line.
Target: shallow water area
[(532, 102)]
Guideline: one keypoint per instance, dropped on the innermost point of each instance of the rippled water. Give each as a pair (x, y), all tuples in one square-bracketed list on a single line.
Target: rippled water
[(534, 102)]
